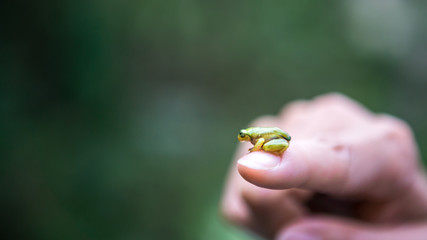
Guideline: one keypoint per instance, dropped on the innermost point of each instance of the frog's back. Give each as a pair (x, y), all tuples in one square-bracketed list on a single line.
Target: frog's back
[(284, 134), (268, 133)]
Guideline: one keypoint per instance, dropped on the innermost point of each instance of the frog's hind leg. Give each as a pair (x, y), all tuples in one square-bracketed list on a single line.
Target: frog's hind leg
[(276, 146), (258, 145)]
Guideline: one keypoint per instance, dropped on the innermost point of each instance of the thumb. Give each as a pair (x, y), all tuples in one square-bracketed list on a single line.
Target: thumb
[(329, 228), (374, 167), (312, 165)]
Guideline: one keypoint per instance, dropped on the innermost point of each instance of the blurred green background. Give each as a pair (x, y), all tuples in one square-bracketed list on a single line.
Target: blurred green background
[(119, 118)]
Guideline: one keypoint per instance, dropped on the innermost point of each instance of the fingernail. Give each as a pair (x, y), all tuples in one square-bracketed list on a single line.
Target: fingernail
[(298, 236), (259, 161)]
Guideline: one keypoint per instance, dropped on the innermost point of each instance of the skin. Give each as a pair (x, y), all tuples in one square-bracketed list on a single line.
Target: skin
[(269, 139), (365, 165)]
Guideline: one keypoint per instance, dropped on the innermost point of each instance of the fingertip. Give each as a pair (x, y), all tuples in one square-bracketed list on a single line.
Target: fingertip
[(257, 168), (259, 161), (271, 171)]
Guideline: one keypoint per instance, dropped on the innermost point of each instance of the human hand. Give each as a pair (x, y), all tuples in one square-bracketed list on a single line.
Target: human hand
[(365, 165)]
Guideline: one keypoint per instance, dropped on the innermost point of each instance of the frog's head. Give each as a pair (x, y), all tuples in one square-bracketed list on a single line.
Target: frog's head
[(243, 136)]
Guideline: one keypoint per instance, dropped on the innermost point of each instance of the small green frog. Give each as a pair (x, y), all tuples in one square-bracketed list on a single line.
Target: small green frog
[(270, 139)]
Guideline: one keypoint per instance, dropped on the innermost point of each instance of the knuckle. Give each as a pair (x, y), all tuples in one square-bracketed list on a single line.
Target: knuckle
[(396, 128), (402, 150)]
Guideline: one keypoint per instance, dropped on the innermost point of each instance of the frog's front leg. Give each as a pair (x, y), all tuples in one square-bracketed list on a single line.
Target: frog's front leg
[(258, 145), (277, 146)]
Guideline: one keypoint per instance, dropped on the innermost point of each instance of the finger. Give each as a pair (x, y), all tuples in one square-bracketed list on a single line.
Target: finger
[(307, 164), (336, 229), (378, 159)]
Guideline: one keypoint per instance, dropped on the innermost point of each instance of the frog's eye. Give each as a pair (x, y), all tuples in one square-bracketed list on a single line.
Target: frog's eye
[(242, 135)]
